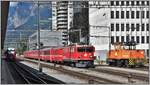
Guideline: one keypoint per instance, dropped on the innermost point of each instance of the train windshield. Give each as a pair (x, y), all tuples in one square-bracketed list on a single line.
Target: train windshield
[(85, 49), (11, 50)]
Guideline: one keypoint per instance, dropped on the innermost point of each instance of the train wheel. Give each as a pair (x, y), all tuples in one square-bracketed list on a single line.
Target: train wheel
[(126, 64), (72, 64), (110, 63), (118, 63)]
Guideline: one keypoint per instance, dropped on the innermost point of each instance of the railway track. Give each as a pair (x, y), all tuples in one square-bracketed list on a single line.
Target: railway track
[(144, 68), (25, 75), (90, 78), (123, 74)]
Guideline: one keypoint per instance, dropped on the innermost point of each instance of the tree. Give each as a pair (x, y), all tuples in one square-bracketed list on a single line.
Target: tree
[(22, 46)]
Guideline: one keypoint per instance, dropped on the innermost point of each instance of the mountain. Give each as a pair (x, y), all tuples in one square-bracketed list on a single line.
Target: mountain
[(23, 16)]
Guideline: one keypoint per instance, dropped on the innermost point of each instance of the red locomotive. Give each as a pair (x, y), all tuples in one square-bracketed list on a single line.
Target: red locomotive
[(74, 55), (10, 54)]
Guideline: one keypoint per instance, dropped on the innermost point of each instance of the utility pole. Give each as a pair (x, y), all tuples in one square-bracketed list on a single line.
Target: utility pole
[(38, 40), (149, 36)]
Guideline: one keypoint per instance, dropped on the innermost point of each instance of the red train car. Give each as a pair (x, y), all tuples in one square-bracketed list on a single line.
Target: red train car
[(74, 55)]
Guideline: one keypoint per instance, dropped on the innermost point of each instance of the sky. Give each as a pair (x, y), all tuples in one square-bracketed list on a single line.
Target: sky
[(23, 16)]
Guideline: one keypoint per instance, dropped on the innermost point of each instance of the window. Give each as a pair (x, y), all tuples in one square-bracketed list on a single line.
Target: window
[(147, 53), (122, 38), (132, 14), (132, 38), (122, 3), (137, 39), (127, 14), (122, 27), (143, 2), (117, 38), (85, 49), (147, 27), (117, 3), (137, 27), (147, 3), (137, 3), (112, 27), (143, 27), (112, 14), (132, 3), (112, 3), (132, 27), (117, 27), (112, 39), (143, 39), (143, 13), (147, 14), (147, 39), (122, 14), (117, 14), (137, 14), (127, 27), (127, 3), (127, 38)]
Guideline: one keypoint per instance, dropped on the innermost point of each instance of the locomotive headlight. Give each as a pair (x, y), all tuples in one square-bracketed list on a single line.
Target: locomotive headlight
[(12, 52), (116, 54), (142, 52), (85, 54), (91, 56)]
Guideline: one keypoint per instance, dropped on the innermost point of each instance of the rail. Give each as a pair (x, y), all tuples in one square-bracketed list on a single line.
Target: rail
[(90, 78), (31, 76), (123, 73)]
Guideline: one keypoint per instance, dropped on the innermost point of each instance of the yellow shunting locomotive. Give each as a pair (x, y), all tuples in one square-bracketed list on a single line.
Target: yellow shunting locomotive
[(125, 55)]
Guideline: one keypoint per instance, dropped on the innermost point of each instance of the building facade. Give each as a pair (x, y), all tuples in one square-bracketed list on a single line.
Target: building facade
[(80, 23), (119, 21), (70, 18), (47, 39), (60, 19)]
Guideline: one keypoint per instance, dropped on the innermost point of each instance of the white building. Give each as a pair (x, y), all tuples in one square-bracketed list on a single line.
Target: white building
[(47, 38), (122, 17), (62, 15)]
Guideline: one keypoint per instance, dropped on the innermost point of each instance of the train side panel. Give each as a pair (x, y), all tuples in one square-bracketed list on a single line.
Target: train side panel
[(126, 57)]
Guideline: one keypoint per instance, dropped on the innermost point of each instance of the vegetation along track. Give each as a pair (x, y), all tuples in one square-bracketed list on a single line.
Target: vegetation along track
[(137, 76), (28, 75), (91, 78)]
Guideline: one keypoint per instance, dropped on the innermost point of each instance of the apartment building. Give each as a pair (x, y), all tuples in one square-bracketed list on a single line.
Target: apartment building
[(119, 21)]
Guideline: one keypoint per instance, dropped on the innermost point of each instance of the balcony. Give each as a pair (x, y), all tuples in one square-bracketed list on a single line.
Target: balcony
[(62, 15), (59, 19), (62, 11), (62, 27), (62, 23)]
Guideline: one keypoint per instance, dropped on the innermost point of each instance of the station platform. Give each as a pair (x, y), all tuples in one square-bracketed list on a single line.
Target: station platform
[(18, 73), (6, 76)]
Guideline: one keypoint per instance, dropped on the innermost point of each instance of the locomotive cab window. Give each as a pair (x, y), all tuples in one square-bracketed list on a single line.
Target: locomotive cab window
[(85, 49)]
